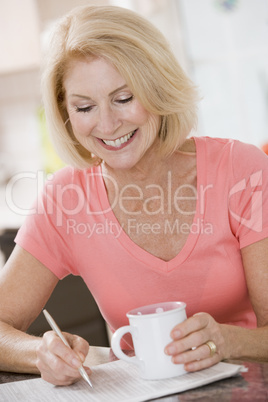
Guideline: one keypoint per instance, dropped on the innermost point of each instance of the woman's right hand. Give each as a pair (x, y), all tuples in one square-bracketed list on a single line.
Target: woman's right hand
[(59, 364)]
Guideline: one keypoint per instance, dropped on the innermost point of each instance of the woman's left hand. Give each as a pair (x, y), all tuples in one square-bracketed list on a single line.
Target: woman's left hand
[(189, 346)]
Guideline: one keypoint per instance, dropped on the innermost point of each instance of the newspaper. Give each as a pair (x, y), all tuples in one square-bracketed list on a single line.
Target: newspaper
[(114, 382)]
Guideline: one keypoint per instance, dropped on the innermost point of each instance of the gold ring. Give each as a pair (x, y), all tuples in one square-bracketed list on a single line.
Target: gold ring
[(212, 347)]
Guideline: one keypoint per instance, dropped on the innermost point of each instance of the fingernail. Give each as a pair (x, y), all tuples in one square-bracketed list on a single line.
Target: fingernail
[(81, 357), (170, 350), (176, 334), (179, 359), (88, 370), (76, 363)]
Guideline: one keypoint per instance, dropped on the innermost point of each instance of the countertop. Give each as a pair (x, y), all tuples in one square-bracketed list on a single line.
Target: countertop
[(251, 386)]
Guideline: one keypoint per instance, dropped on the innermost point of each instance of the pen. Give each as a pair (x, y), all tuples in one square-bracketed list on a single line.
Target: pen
[(55, 328)]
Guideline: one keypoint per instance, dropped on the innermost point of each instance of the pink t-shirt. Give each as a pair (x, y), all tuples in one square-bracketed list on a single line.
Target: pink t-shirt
[(75, 231)]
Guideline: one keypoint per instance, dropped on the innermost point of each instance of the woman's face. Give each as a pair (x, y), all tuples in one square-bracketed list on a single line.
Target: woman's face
[(105, 116)]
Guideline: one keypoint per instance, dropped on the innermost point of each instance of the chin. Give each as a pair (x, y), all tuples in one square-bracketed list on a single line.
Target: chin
[(121, 164)]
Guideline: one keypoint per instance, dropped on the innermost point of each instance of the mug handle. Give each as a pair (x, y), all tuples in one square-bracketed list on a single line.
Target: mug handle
[(115, 344)]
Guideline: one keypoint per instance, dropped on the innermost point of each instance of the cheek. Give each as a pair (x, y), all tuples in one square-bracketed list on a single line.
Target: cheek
[(80, 125), (145, 118), (140, 114)]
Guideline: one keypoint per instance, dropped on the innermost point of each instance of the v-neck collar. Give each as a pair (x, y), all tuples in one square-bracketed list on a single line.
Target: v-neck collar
[(139, 253)]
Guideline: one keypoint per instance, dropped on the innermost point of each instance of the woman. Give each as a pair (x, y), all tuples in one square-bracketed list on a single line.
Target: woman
[(146, 213)]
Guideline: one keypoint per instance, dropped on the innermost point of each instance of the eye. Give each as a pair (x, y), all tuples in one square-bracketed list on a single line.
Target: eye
[(83, 109), (129, 99)]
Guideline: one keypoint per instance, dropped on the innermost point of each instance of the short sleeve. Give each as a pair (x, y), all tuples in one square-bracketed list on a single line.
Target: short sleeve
[(248, 194), (42, 234)]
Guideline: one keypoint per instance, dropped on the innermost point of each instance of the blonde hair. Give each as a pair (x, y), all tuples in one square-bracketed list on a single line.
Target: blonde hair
[(141, 55)]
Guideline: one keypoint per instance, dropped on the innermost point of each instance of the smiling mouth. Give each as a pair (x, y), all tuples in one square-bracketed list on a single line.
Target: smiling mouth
[(119, 141)]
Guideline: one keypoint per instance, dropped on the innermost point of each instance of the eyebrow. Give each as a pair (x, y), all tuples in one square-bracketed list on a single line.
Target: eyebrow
[(110, 94)]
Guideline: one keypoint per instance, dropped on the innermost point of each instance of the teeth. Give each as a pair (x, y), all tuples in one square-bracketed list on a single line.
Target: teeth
[(117, 143)]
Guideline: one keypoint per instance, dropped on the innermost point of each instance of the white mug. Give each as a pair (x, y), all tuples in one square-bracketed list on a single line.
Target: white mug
[(150, 327)]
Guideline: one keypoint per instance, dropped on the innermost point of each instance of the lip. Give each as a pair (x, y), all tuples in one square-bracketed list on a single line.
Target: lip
[(125, 144)]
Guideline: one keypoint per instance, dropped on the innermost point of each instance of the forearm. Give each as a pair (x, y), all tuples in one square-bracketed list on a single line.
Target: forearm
[(17, 350), (248, 344)]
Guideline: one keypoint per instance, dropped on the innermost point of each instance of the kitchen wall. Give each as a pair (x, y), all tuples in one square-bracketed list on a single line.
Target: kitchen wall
[(24, 28), (23, 25), (222, 45), (226, 42)]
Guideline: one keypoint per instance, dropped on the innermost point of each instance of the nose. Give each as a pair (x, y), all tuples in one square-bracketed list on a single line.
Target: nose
[(108, 122)]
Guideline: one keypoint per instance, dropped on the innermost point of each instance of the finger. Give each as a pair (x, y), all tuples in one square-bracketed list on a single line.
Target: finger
[(88, 370), (55, 370), (200, 353), (56, 347), (59, 381), (54, 359), (202, 364), (192, 324), (79, 345), (189, 342)]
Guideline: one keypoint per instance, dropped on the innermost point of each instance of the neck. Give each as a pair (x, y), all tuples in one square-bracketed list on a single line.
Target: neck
[(153, 168), (150, 169)]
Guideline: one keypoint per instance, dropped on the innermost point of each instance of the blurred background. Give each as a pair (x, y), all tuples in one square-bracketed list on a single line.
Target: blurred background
[(222, 44)]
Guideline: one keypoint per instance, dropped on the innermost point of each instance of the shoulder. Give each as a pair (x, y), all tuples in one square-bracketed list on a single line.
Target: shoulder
[(62, 175), (215, 144), (71, 175), (239, 153), (227, 144), (249, 154)]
